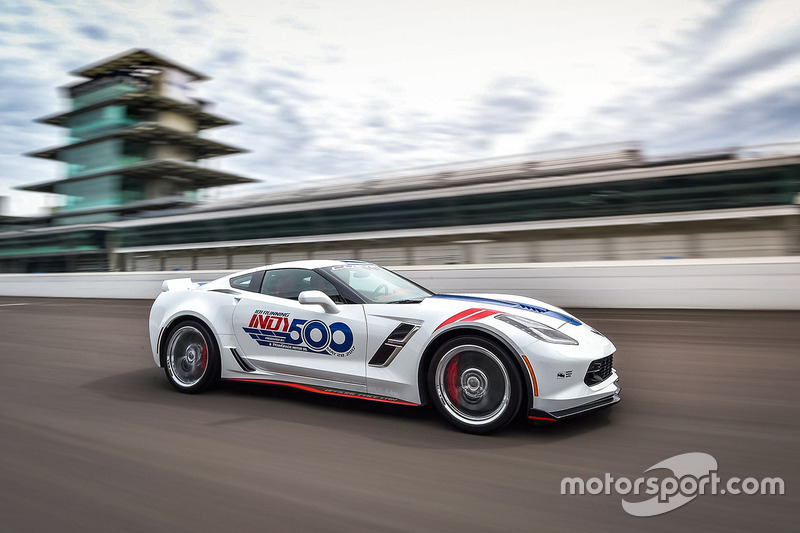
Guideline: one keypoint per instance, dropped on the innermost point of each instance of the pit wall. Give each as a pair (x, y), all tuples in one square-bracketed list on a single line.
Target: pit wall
[(757, 283)]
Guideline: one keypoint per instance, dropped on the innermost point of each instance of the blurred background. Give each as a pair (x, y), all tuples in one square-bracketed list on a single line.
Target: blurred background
[(408, 133), (635, 162)]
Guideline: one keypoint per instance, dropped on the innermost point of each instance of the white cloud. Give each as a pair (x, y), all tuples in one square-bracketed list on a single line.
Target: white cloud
[(348, 86)]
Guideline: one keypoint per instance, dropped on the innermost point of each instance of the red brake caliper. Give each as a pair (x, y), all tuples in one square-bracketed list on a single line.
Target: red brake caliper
[(205, 356), (451, 381)]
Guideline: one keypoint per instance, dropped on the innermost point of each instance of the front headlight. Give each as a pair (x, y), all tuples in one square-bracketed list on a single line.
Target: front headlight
[(541, 331)]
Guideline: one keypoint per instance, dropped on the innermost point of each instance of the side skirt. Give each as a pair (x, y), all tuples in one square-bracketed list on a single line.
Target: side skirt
[(329, 391)]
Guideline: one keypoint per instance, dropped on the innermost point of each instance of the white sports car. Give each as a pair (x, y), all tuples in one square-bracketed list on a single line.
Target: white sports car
[(350, 328)]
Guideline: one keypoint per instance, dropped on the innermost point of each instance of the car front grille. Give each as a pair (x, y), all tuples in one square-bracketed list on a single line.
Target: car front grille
[(599, 370)]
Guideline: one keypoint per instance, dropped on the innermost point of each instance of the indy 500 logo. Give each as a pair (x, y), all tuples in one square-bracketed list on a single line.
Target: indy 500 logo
[(693, 474), (279, 330)]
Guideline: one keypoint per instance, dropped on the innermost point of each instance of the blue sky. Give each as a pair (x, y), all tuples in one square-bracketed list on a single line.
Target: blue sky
[(340, 87)]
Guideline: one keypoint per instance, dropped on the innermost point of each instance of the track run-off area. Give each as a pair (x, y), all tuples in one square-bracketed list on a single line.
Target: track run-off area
[(93, 438)]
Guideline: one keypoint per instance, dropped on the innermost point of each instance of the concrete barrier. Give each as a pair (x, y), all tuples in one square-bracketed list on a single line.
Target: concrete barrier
[(757, 283), (134, 285), (760, 283)]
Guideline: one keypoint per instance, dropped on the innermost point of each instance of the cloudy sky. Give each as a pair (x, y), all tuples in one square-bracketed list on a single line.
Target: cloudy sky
[(339, 87)]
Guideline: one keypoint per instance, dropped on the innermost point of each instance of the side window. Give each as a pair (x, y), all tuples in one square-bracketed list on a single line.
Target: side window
[(290, 282), (248, 282)]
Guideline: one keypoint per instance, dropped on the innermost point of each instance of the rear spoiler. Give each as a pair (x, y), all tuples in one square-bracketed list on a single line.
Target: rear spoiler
[(180, 284)]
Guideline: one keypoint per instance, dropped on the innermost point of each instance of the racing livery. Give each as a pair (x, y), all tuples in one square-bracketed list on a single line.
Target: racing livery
[(351, 328)]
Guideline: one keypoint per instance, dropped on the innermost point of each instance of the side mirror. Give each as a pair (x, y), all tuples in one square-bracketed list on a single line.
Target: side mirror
[(319, 298)]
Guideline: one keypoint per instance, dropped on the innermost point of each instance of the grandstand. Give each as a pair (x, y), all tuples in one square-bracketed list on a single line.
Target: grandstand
[(597, 203)]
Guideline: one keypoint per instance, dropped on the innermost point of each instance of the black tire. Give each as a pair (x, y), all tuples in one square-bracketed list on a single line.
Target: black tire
[(474, 384), (191, 357)]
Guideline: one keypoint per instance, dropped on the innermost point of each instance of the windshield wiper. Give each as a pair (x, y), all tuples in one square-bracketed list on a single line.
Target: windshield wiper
[(408, 301)]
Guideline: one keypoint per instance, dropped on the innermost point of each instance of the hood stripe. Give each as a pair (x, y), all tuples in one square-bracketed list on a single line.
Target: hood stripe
[(468, 316), (515, 305)]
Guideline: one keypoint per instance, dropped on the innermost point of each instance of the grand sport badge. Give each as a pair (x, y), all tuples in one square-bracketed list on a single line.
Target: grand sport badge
[(279, 330)]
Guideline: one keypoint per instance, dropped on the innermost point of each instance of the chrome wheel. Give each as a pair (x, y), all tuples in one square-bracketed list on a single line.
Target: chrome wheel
[(473, 385), (187, 356)]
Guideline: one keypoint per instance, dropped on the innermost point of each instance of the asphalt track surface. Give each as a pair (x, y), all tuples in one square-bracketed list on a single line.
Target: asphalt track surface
[(94, 438)]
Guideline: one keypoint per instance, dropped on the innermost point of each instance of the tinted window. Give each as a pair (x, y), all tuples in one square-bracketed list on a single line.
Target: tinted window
[(248, 282), (290, 282)]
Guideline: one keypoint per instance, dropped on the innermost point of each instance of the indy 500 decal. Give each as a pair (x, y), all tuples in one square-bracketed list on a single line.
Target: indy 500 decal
[(279, 330)]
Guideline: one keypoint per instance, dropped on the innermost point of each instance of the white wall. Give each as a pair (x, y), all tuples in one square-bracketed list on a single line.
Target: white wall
[(756, 283), (770, 283)]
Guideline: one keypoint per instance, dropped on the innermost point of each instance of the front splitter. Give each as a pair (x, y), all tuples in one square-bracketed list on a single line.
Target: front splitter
[(544, 417)]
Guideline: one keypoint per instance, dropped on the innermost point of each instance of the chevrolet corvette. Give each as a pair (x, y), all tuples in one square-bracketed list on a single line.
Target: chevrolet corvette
[(354, 329)]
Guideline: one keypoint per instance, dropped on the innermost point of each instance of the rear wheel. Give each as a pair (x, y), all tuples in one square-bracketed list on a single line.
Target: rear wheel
[(192, 358), (475, 384)]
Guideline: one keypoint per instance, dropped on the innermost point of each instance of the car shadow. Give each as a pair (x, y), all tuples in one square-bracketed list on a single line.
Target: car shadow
[(421, 427)]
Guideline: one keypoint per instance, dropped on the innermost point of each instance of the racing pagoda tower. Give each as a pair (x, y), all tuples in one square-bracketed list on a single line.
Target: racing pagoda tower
[(133, 146)]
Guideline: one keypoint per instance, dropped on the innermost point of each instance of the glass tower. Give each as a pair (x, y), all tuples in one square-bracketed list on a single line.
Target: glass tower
[(133, 143), (133, 150)]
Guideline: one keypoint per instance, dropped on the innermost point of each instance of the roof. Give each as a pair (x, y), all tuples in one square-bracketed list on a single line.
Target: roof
[(319, 263), (140, 99), (11, 219), (132, 59), (158, 168), (148, 132), (308, 264), (315, 263), (520, 172), (365, 193), (60, 230), (465, 231)]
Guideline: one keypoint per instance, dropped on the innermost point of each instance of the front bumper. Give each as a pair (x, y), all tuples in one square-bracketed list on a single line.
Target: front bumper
[(540, 416)]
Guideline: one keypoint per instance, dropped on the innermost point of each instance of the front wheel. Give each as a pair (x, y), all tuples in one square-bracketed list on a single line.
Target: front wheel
[(192, 358), (475, 384)]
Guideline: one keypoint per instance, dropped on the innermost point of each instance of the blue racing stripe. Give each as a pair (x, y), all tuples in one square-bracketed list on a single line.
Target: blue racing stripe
[(515, 305)]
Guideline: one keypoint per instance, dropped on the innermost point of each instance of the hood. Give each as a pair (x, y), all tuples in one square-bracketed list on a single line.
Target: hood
[(534, 309)]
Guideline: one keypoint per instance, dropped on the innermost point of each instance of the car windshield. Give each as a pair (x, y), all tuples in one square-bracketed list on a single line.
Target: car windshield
[(378, 285)]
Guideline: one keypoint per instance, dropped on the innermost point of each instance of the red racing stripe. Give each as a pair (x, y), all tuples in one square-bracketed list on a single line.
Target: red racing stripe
[(468, 316), (483, 314), (320, 391)]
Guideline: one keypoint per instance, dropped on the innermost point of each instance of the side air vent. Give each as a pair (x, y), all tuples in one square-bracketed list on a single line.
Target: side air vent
[(393, 344), (244, 363)]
